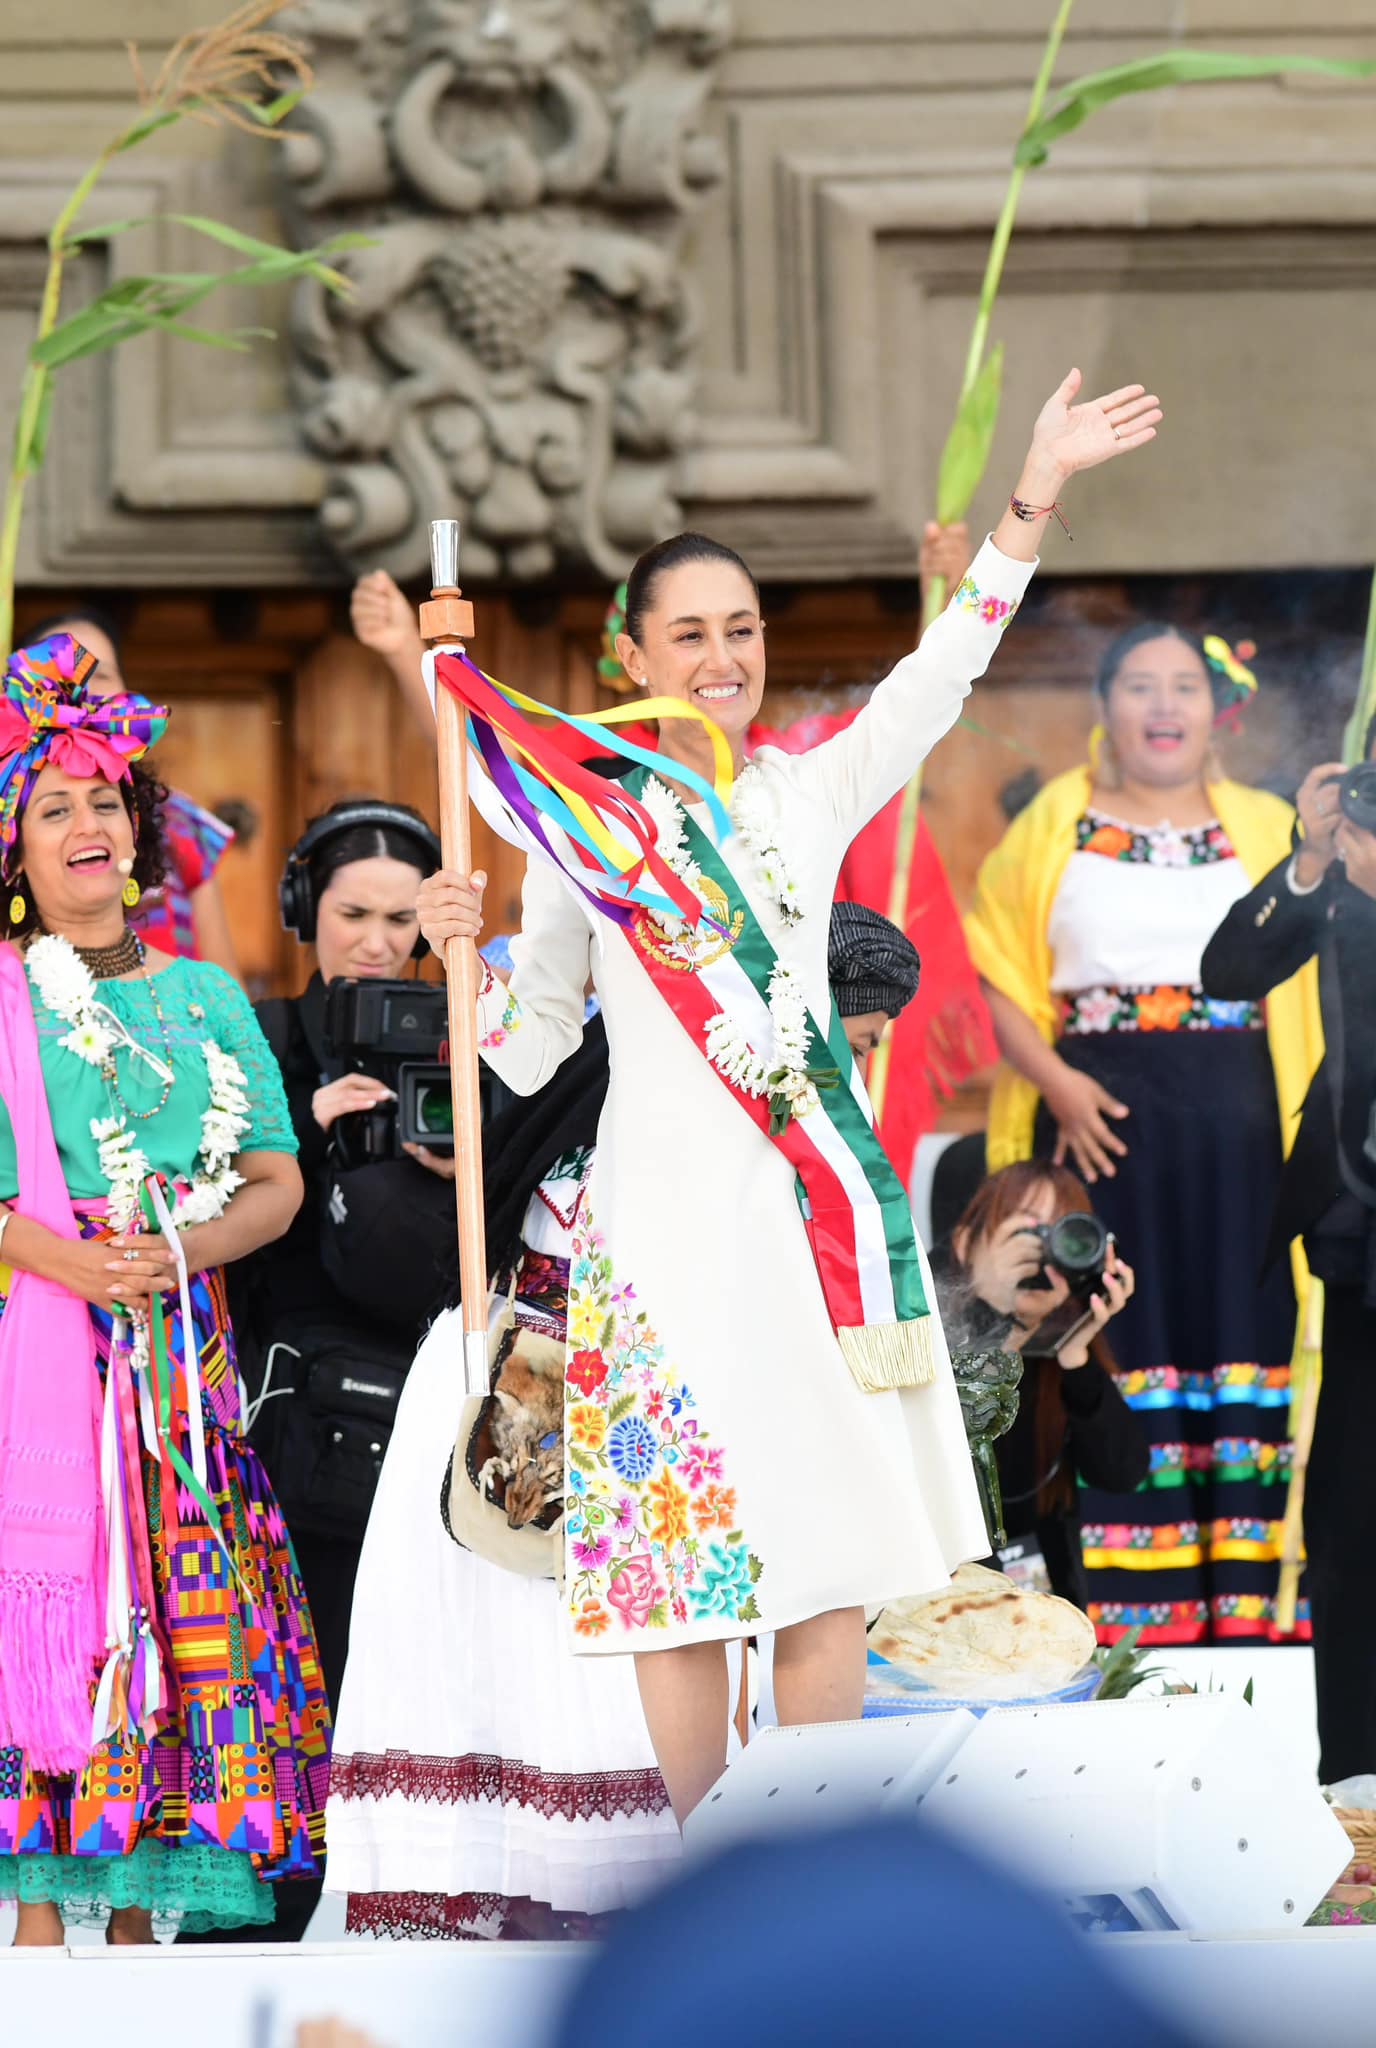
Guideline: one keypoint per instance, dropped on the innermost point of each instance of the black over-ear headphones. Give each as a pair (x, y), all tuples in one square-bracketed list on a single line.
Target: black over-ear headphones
[(296, 890)]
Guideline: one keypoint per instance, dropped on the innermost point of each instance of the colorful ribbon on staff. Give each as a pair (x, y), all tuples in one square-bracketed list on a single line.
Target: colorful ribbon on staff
[(618, 866)]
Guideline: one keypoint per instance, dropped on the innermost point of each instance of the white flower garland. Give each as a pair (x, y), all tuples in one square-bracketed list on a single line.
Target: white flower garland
[(782, 1073), (754, 818), (68, 989)]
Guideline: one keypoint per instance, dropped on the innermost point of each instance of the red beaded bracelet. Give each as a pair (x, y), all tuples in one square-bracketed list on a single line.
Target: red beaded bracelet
[(1022, 510)]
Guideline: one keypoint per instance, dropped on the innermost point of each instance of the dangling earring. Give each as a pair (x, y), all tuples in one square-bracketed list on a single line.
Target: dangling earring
[(1107, 773), (131, 893), (19, 907)]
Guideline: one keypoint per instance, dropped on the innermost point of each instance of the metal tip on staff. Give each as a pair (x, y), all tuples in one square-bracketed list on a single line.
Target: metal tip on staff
[(444, 554), (446, 618)]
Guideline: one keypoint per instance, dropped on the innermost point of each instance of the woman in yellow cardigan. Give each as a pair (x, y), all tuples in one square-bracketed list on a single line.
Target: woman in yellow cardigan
[(1088, 926)]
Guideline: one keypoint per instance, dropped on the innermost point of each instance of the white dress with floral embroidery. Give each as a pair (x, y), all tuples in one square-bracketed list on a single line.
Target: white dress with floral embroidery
[(726, 1474)]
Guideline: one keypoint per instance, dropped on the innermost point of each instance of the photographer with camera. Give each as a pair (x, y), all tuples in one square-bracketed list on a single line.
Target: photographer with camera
[(1029, 1268), (335, 1310), (1320, 903)]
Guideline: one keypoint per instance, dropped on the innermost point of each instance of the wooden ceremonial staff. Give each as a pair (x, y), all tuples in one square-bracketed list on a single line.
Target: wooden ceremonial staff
[(446, 622)]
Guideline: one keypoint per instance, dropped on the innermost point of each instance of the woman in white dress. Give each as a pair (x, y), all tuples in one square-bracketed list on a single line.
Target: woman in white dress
[(729, 1470), (487, 1785)]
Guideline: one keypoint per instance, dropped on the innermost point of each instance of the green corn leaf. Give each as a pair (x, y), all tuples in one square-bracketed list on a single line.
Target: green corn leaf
[(1364, 710), (270, 262), (1084, 96), (240, 339), (32, 458), (141, 130), (160, 299), (966, 454), (105, 324), (276, 111), (120, 309)]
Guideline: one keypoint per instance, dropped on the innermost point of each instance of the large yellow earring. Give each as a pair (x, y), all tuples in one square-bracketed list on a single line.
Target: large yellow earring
[(19, 908), (131, 893)]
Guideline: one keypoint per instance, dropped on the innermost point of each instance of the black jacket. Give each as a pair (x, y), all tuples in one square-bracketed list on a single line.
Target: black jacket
[(1265, 938), (1104, 1443), (1105, 1446), (368, 1248)]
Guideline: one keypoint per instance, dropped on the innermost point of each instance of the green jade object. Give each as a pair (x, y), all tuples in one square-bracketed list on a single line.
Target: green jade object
[(987, 1383)]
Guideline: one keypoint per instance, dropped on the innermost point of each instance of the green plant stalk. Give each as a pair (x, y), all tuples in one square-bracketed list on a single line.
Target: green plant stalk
[(1003, 230), (1364, 710), (905, 839), (33, 390)]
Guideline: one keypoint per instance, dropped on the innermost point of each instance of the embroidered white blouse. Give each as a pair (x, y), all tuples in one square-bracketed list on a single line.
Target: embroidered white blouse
[(726, 1474)]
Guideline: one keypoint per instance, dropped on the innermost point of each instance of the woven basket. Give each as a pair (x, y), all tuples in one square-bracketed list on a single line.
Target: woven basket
[(1359, 1825)]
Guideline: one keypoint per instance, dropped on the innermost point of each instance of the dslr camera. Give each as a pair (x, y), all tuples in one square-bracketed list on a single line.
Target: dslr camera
[(397, 1031), (1357, 794), (1078, 1247)]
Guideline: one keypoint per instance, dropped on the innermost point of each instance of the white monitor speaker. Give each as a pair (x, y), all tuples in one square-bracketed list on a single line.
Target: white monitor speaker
[(1174, 1812), (794, 1779)]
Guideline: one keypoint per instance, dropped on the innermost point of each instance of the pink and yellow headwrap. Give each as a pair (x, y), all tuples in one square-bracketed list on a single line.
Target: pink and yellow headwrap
[(46, 716)]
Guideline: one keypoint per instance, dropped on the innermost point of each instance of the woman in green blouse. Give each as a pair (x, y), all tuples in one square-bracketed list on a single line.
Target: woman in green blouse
[(164, 1729)]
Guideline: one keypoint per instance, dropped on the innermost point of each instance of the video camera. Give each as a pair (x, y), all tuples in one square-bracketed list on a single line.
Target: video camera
[(397, 1031), (1078, 1247)]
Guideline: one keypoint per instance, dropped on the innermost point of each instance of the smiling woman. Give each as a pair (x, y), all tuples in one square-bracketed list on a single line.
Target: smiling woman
[(75, 829), (1089, 925), (768, 1434), (702, 640), (144, 1144)]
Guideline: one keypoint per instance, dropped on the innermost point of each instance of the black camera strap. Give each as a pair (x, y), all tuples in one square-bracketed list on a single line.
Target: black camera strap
[(1335, 1033)]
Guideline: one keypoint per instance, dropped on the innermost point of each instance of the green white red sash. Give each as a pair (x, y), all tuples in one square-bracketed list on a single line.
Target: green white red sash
[(856, 1211)]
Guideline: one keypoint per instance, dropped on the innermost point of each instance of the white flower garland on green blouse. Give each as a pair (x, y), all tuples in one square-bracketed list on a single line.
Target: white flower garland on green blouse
[(67, 988), (782, 1073)]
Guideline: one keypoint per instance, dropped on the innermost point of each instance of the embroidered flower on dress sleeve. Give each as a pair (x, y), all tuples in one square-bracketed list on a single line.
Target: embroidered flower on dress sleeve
[(992, 609)]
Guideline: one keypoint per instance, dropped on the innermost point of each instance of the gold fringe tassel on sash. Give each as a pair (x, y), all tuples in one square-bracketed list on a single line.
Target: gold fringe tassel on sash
[(882, 1356)]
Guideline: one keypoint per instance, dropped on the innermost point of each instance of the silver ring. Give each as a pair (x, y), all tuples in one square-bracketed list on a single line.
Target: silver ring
[(1116, 435), (130, 1254)]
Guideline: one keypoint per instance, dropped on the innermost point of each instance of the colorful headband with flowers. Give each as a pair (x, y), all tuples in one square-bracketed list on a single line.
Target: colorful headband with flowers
[(1233, 683), (47, 716)]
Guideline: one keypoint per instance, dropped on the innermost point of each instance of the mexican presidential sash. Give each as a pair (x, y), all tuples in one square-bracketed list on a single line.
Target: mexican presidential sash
[(855, 1208)]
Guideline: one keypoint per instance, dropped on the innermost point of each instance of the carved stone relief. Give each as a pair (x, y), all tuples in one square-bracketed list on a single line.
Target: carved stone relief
[(519, 346)]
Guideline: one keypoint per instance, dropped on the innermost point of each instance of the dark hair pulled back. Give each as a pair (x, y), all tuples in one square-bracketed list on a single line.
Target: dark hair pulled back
[(642, 585), (1118, 650), (366, 842), (76, 615)]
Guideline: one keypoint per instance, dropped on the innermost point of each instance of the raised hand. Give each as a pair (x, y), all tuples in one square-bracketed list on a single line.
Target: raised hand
[(1069, 437), (945, 552), (1120, 1284), (384, 619)]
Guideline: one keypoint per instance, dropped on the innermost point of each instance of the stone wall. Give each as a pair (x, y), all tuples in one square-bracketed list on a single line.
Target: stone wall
[(740, 247)]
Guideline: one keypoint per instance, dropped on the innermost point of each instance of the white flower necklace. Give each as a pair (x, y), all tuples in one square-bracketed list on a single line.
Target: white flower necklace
[(67, 988), (783, 1073)]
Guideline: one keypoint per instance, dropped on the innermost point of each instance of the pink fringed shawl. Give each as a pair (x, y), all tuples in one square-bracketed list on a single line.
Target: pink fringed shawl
[(51, 1525)]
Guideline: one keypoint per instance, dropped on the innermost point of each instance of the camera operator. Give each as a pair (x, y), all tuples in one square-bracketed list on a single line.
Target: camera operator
[(1321, 903), (999, 1289)]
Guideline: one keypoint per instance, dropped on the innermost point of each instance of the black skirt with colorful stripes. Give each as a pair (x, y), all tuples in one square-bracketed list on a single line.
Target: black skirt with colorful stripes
[(1204, 1347)]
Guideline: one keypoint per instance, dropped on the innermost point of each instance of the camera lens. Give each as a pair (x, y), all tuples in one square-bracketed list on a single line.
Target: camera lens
[(434, 1111), (1078, 1243)]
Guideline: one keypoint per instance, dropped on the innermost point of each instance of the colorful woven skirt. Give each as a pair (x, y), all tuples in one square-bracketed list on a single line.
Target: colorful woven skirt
[(230, 1789), (1204, 1347)]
